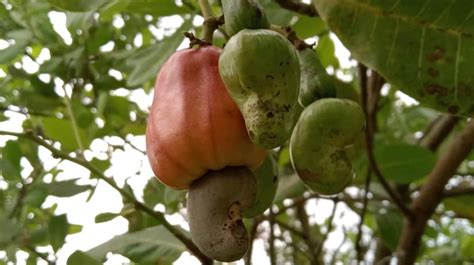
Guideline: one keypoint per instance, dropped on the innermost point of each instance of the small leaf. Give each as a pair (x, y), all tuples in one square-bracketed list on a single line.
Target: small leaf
[(162, 243), (307, 27), (390, 226), (147, 61), (11, 156), (463, 206), (58, 229), (327, 52), (66, 188), (467, 247), (105, 217), (81, 258), (404, 163), (61, 130)]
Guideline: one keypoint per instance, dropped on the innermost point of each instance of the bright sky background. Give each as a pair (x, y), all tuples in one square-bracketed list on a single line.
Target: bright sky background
[(132, 166)]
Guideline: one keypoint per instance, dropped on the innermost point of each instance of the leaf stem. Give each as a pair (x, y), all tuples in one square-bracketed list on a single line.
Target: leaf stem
[(75, 127)]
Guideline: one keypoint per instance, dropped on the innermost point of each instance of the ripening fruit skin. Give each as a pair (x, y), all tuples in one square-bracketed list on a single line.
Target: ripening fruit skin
[(317, 145), (241, 14), (214, 207), (261, 71), (194, 125)]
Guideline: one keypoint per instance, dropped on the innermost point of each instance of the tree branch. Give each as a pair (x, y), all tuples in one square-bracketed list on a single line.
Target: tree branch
[(369, 101), (358, 245), (431, 194), (459, 191), (157, 215), (299, 7)]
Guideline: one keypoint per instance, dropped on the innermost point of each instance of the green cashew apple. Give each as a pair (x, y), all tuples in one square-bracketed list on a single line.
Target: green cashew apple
[(267, 184), (315, 82), (241, 14), (317, 146), (214, 205), (261, 72)]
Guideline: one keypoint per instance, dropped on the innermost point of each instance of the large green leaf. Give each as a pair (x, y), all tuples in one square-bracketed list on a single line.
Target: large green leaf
[(422, 47), (404, 163), (153, 244), (62, 131), (147, 62), (463, 206), (66, 188), (81, 258)]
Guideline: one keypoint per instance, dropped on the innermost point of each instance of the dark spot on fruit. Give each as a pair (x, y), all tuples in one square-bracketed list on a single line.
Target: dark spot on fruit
[(281, 63), (436, 55), (270, 114), (286, 108), (275, 178), (269, 77), (436, 89), (433, 72), (277, 93), (453, 109), (307, 175)]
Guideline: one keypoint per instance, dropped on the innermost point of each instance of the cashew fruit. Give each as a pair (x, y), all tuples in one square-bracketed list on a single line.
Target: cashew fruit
[(317, 145), (194, 125), (261, 71), (315, 82), (214, 207), (241, 14), (267, 184)]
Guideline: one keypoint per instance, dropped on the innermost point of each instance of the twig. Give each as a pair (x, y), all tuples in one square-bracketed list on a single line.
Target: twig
[(271, 242), (253, 232), (75, 127), (459, 191), (157, 215), (309, 239), (43, 256), (299, 7), (291, 229), (370, 129), (334, 254), (358, 240), (329, 228), (431, 194)]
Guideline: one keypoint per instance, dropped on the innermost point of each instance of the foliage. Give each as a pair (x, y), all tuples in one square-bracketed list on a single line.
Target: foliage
[(82, 99)]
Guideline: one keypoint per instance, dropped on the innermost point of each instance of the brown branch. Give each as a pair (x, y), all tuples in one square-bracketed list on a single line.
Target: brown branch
[(253, 233), (30, 135), (305, 226), (271, 242), (358, 244), (431, 194), (298, 7), (369, 101), (329, 228), (438, 130), (458, 191)]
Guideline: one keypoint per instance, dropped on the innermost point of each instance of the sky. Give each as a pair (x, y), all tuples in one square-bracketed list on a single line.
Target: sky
[(132, 166)]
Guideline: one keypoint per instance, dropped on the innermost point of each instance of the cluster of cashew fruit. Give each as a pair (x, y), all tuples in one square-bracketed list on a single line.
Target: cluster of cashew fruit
[(215, 115)]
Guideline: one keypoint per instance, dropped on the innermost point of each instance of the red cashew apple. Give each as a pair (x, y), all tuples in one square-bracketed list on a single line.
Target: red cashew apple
[(194, 125)]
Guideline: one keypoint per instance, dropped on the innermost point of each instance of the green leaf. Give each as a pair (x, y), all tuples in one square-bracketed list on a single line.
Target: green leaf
[(289, 187), (66, 188), (423, 48), (463, 206), (58, 229), (11, 156), (390, 226), (77, 6), (10, 53), (307, 27), (8, 230), (467, 247), (36, 196), (81, 258), (327, 51), (152, 244), (146, 62), (155, 7), (404, 163), (61, 130), (275, 14), (105, 217)]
